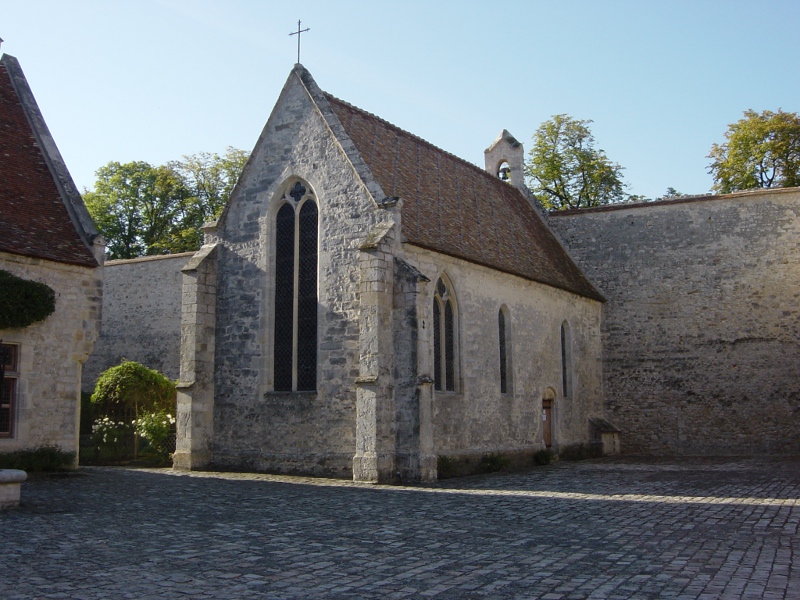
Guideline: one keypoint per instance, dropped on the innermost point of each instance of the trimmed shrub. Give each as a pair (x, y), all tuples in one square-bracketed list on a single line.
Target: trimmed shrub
[(543, 457), (132, 403), (492, 463), (46, 459), (24, 302)]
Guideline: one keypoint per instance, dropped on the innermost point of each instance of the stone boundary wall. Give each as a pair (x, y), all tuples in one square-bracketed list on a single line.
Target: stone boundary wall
[(701, 328), (141, 316)]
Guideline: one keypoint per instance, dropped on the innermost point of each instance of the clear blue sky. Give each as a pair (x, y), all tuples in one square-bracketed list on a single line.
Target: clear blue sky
[(157, 79)]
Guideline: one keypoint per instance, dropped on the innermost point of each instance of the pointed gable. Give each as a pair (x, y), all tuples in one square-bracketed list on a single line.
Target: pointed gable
[(453, 207), (41, 213)]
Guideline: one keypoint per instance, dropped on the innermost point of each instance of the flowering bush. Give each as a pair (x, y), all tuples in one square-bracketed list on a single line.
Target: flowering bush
[(110, 434), (155, 427)]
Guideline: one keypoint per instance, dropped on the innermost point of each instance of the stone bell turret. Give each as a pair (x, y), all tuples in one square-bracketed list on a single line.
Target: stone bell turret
[(504, 159)]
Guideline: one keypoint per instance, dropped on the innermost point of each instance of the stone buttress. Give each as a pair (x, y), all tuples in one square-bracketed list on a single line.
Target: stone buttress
[(195, 418)]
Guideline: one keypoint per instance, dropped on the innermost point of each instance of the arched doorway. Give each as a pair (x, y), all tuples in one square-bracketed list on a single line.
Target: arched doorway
[(547, 417)]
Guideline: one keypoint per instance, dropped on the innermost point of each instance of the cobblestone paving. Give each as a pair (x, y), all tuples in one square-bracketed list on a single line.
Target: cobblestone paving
[(609, 528)]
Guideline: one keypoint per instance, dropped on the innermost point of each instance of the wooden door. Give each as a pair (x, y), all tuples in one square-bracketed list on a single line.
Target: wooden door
[(547, 421)]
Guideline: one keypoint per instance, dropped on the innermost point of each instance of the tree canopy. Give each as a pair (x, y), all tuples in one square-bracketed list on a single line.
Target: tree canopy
[(134, 388), (565, 170), (761, 150), (141, 209)]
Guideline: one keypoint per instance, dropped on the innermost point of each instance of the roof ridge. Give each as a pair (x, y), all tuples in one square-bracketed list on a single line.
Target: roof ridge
[(413, 136)]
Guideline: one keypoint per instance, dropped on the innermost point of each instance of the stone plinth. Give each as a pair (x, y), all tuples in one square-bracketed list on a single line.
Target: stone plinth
[(10, 480)]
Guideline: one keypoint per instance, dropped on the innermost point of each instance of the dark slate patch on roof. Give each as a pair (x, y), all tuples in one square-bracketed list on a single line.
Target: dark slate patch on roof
[(34, 220), (453, 207)]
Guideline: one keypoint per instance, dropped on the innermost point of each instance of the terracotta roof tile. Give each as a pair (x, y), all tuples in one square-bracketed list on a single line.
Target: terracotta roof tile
[(33, 218), (453, 207)]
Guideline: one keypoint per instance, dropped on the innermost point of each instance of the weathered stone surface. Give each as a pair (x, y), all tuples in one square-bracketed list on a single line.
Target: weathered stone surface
[(10, 490), (256, 427), (195, 402), (477, 418), (622, 528), (52, 352), (141, 316), (701, 331)]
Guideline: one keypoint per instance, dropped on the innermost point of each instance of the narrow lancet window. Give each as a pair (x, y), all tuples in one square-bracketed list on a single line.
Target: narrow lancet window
[(284, 298), (295, 330), (444, 338), (501, 326), (566, 360), (307, 299)]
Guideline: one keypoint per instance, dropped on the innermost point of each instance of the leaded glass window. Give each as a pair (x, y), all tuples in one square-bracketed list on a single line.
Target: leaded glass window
[(501, 326), (295, 329), (444, 338), (9, 369), (566, 360)]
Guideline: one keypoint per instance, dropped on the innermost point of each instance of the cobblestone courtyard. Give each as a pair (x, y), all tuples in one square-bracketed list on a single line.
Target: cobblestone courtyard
[(610, 528)]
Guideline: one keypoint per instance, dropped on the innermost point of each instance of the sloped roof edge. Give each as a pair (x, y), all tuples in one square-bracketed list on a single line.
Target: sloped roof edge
[(73, 202)]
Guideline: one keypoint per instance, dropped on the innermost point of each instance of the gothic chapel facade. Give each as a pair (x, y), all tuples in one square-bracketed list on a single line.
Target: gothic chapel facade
[(367, 302)]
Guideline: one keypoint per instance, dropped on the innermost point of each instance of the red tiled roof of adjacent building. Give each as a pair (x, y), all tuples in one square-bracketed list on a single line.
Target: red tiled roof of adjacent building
[(34, 220), (453, 207)]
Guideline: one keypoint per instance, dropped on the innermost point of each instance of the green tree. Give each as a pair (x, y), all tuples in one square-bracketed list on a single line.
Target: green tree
[(138, 208), (131, 389), (211, 179), (761, 150), (141, 209), (565, 170)]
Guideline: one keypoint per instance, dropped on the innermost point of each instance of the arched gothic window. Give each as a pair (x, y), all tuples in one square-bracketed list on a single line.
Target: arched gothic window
[(566, 360), (444, 338), (504, 338), (295, 332)]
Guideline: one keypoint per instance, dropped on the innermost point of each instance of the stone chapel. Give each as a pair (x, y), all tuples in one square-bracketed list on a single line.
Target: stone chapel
[(367, 301), (368, 304)]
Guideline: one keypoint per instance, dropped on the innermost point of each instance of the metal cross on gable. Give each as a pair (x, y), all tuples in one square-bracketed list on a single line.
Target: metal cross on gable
[(297, 33)]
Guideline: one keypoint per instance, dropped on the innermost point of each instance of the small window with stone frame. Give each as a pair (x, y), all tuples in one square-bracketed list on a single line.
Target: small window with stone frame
[(566, 360), (504, 340), (9, 372), (445, 341)]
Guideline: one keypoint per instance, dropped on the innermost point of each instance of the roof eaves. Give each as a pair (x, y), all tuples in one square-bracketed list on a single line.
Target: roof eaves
[(76, 209)]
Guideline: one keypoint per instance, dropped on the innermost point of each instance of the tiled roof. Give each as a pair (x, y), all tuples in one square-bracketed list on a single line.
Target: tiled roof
[(34, 220), (453, 207)]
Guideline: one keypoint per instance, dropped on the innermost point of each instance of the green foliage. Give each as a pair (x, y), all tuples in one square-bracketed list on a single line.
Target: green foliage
[(130, 402), (492, 463), (131, 388), (671, 193), (446, 467), (211, 179), (760, 151), (156, 428), (45, 459), (543, 457), (141, 209), (565, 170), (24, 302), (112, 438)]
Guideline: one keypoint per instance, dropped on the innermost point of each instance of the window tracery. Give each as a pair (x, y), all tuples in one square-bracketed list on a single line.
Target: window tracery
[(444, 338), (295, 324)]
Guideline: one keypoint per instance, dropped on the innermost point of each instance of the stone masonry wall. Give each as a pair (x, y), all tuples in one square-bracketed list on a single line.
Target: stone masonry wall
[(478, 419), (141, 316), (254, 427), (47, 406), (700, 331)]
